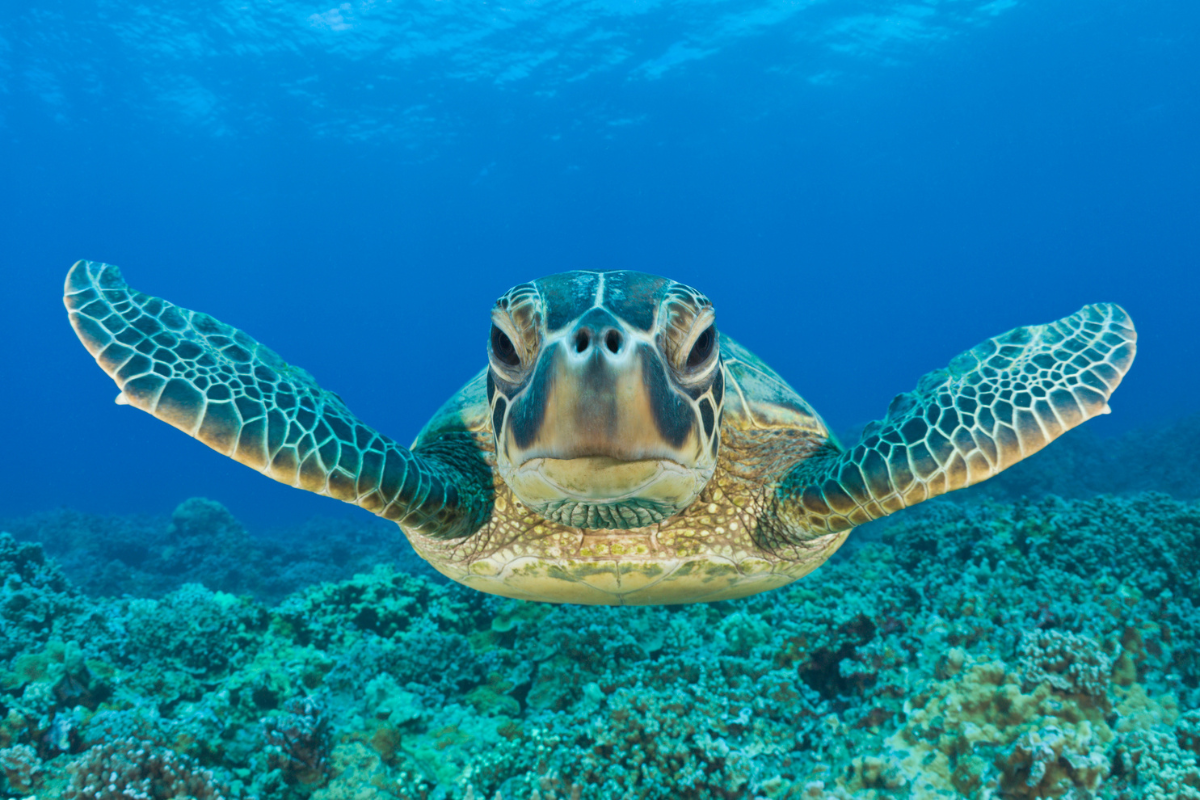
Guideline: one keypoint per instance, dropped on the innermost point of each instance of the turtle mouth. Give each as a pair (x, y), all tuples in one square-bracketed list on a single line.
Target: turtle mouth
[(604, 492), (606, 479)]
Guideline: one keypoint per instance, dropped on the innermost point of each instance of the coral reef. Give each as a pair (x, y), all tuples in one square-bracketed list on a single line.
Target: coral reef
[(1037, 649), (128, 768), (22, 768), (1069, 663), (202, 543), (36, 600), (977, 731)]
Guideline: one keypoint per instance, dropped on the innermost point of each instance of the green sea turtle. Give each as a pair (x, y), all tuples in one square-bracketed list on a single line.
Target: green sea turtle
[(616, 449)]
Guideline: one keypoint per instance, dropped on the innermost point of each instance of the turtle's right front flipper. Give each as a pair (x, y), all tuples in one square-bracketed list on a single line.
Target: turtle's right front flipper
[(215, 383)]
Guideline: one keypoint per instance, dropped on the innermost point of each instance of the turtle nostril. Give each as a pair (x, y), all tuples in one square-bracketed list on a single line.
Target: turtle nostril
[(582, 340), (612, 340)]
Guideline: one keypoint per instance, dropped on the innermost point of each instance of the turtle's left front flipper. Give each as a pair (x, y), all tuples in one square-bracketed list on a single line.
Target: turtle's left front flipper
[(214, 382), (994, 405)]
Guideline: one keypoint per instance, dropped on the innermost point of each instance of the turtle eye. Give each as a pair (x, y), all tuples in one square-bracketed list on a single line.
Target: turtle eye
[(503, 349), (703, 347)]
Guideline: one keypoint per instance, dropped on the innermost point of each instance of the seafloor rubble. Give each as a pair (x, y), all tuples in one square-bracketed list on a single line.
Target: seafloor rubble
[(986, 648)]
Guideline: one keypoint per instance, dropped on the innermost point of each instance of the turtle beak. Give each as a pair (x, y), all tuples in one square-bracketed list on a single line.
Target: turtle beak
[(600, 391)]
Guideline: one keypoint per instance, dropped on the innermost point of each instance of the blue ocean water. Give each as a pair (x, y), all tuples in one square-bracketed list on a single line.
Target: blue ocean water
[(864, 190)]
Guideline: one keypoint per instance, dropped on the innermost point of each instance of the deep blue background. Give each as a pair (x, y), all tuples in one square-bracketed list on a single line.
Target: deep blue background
[(863, 190)]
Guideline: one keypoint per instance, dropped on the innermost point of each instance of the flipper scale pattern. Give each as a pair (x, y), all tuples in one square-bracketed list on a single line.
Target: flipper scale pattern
[(216, 383), (994, 405)]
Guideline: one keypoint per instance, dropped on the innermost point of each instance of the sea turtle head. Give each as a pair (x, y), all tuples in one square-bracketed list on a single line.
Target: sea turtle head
[(605, 391)]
